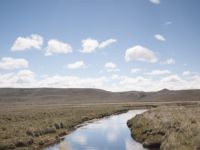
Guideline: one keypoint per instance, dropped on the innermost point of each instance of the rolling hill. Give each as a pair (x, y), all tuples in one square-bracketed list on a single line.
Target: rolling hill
[(86, 95)]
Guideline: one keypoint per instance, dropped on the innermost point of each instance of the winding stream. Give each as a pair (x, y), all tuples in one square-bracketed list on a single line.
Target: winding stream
[(110, 133)]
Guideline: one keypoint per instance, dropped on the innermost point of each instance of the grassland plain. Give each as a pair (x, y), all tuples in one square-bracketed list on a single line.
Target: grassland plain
[(36, 118), (35, 127), (168, 128)]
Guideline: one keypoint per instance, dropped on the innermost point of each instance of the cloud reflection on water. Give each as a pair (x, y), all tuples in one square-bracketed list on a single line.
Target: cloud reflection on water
[(109, 133)]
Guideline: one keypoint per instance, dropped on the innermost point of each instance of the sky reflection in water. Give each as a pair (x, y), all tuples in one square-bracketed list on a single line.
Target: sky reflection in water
[(109, 133)]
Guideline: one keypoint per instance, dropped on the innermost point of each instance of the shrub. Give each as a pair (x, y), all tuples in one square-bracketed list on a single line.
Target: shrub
[(57, 126)]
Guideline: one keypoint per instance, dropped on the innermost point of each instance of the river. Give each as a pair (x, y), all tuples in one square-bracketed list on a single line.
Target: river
[(109, 133)]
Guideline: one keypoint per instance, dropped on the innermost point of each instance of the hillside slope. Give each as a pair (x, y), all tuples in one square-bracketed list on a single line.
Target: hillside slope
[(78, 95)]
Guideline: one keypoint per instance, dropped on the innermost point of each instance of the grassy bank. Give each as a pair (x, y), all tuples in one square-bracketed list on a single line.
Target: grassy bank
[(168, 128), (35, 127)]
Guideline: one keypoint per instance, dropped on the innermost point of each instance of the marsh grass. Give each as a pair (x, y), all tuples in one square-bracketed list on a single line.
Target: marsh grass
[(168, 128), (33, 127)]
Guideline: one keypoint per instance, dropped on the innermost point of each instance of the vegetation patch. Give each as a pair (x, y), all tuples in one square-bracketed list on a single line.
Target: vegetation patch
[(35, 127), (168, 128)]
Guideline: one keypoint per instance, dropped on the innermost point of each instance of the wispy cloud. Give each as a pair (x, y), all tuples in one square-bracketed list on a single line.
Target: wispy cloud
[(76, 65), (9, 63), (158, 72), (169, 61), (155, 1), (136, 70), (91, 45), (107, 43), (159, 37), (168, 23)]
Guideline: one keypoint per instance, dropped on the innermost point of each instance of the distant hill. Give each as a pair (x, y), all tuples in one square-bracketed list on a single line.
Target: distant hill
[(86, 95)]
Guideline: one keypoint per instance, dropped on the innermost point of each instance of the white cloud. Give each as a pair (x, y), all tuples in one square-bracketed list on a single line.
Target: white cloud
[(115, 77), (25, 78), (111, 67), (26, 73), (136, 70), (158, 72), (25, 43), (186, 73), (159, 37), (71, 82), (172, 78), (169, 61), (155, 1), (9, 63), (91, 45), (57, 47), (140, 53), (107, 43), (76, 65)]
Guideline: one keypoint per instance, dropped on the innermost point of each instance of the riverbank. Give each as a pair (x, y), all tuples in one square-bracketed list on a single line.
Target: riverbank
[(32, 127), (168, 128)]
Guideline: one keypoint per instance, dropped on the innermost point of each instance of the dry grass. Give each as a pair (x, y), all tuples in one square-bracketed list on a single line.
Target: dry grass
[(168, 128), (34, 127)]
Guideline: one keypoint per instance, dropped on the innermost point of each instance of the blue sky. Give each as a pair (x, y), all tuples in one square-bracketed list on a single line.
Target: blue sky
[(110, 44)]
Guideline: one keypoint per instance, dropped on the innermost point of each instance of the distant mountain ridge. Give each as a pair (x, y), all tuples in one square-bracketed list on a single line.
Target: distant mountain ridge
[(89, 95)]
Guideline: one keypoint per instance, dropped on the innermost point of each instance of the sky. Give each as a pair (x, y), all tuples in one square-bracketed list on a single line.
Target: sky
[(116, 45)]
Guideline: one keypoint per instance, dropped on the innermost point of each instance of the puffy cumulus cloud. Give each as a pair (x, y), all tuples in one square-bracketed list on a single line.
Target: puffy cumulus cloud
[(76, 65), (159, 37), (57, 47), (136, 70), (158, 72), (9, 63), (22, 78), (25, 43), (91, 45), (169, 61), (111, 67), (155, 1), (107, 43), (140, 53)]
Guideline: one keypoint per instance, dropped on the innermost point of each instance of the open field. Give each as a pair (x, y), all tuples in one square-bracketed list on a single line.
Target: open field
[(34, 127), (35, 118)]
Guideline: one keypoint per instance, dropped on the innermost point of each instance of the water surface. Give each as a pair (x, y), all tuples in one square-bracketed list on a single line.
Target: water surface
[(110, 133)]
